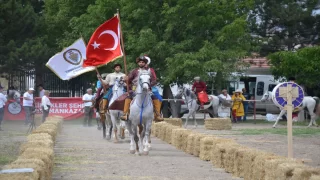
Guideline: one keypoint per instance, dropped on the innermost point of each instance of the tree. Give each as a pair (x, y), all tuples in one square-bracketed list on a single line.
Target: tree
[(284, 24), (303, 64)]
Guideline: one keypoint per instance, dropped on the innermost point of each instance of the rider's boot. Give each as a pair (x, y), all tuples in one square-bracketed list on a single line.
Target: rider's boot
[(104, 106), (156, 109), (126, 109)]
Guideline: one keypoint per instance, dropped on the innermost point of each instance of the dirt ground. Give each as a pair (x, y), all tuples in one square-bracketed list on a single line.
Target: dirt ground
[(82, 153), (13, 135), (305, 146)]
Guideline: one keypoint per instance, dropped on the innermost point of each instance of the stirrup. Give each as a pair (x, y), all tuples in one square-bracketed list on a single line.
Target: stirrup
[(124, 117)]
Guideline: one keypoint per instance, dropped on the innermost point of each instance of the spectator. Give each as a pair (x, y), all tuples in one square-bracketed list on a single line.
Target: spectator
[(28, 105), (3, 101), (41, 90), (88, 109), (245, 103), (45, 105), (237, 107)]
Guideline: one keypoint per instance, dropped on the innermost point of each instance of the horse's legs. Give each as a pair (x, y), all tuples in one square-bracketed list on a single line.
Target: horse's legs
[(278, 118), (189, 114), (313, 116), (129, 127), (103, 123), (136, 138), (141, 139), (195, 120), (147, 136), (122, 129), (115, 126)]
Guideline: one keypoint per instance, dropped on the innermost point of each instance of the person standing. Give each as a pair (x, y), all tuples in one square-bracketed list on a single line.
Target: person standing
[(237, 107), (88, 109), (45, 105), (3, 101), (28, 105), (41, 90), (245, 103)]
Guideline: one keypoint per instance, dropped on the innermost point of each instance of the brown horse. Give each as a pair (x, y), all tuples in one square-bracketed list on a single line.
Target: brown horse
[(99, 105)]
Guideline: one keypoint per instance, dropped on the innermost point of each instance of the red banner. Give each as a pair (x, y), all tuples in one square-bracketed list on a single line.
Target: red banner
[(69, 108)]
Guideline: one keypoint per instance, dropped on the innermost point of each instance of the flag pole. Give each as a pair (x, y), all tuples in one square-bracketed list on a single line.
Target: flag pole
[(104, 87), (124, 54)]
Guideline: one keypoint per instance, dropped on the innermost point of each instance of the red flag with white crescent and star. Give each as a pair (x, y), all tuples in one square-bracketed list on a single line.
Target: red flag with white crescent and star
[(104, 45)]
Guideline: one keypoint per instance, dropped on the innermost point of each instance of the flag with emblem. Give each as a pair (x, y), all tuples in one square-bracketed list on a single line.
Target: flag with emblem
[(104, 45), (68, 63)]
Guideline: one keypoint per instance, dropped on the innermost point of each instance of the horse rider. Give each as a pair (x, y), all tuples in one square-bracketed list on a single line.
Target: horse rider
[(199, 86), (109, 82), (132, 80), (155, 92), (99, 88)]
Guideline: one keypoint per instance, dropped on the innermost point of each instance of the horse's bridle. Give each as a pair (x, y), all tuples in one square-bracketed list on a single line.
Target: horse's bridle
[(148, 83)]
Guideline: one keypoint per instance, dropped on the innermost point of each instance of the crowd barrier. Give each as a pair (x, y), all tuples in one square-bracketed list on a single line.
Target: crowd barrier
[(241, 161), (68, 108)]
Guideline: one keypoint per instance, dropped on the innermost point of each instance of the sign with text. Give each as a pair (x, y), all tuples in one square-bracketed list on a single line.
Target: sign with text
[(68, 108)]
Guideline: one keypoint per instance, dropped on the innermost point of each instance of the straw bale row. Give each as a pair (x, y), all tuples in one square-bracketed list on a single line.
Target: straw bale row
[(237, 159), (37, 152), (218, 123), (174, 121)]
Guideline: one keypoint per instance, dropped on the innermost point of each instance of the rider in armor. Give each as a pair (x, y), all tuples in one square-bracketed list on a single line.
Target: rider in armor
[(109, 82), (199, 86), (132, 80)]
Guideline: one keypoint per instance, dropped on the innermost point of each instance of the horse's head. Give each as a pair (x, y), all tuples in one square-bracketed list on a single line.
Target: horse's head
[(119, 83), (145, 80), (180, 91), (266, 96)]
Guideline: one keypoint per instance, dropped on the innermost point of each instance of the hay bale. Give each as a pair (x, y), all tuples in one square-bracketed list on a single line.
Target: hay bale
[(35, 144), (169, 130), (162, 130), (272, 167), (55, 120), (206, 147), (218, 124), (174, 121), (39, 136), (196, 144), (285, 170), (248, 162), (259, 170), (179, 138), (218, 152), (304, 173), (190, 143), (315, 177), (51, 132), (44, 154), (20, 176), (239, 161), (228, 158), (37, 164)]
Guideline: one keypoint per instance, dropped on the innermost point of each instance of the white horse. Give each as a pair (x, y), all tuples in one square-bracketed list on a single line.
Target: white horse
[(193, 106), (117, 91), (308, 102), (141, 113)]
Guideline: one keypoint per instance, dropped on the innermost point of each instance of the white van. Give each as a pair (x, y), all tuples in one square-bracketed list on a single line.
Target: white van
[(256, 86)]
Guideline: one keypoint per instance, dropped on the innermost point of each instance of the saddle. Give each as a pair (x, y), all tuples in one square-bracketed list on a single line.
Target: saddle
[(118, 104)]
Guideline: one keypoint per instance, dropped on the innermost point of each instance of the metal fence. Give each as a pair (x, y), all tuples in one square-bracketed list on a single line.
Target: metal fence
[(23, 80)]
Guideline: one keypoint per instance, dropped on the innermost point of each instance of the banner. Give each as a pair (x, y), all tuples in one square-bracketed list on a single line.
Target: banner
[(68, 63), (68, 108)]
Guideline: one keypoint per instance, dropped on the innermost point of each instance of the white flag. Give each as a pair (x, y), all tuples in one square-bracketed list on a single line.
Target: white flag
[(68, 63)]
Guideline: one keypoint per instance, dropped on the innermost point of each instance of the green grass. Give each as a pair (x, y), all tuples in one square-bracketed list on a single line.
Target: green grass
[(281, 131), (6, 159)]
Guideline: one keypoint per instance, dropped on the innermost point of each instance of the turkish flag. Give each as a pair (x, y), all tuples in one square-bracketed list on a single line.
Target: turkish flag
[(104, 45)]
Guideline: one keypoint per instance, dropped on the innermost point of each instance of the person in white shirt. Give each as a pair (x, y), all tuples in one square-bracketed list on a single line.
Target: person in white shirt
[(41, 91), (45, 105), (28, 105), (3, 101), (88, 108), (109, 82), (225, 105)]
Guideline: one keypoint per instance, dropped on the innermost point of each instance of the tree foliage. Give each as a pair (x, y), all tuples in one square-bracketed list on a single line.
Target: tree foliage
[(303, 64)]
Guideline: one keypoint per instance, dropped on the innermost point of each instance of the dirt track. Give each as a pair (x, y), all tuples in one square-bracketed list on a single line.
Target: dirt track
[(81, 153)]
